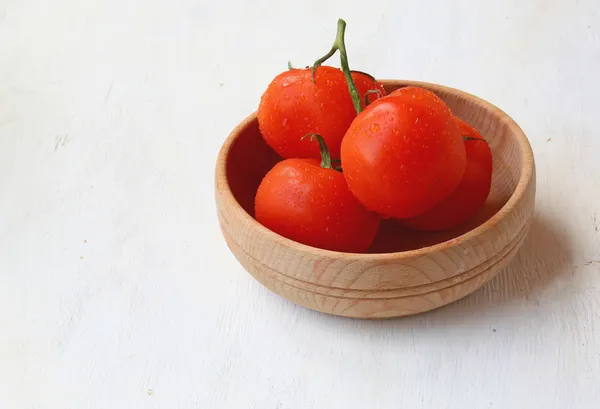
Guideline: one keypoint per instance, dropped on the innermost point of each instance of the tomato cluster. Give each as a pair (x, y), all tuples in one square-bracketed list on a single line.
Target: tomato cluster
[(403, 156)]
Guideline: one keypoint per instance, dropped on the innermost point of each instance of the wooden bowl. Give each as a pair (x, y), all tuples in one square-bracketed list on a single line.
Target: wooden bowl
[(405, 272)]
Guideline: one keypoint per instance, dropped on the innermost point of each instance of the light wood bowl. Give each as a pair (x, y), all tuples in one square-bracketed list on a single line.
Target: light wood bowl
[(405, 272)]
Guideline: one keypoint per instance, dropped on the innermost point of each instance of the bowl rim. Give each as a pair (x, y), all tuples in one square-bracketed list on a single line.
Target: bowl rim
[(525, 177)]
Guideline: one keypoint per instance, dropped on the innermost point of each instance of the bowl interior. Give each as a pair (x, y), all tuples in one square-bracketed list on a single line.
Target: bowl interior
[(250, 158)]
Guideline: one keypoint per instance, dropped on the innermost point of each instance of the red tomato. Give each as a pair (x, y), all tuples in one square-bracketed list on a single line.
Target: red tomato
[(305, 202), (403, 154), (293, 106), (471, 193), (364, 83)]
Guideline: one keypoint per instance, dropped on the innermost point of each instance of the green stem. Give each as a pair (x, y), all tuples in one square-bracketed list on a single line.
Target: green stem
[(327, 56), (325, 156), (340, 45)]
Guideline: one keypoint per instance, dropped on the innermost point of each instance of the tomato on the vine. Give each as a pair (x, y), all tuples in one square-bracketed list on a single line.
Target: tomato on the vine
[(294, 105), (315, 100), (471, 193), (310, 203), (403, 154)]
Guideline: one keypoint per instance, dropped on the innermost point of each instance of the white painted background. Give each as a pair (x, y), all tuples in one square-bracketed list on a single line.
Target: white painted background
[(116, 288)]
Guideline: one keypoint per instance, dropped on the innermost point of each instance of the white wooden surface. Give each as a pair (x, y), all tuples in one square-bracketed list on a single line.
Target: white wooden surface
[(116, 288)]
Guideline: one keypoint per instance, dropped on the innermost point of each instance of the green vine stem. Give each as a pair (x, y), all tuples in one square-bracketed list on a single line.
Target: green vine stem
[(340, 45), (325, 156)]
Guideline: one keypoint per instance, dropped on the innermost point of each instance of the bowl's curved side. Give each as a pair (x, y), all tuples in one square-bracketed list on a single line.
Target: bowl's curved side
[(450, 269), (376, 304)]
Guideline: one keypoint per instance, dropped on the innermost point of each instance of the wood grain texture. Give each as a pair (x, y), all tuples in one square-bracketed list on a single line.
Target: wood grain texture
[(398, 281)]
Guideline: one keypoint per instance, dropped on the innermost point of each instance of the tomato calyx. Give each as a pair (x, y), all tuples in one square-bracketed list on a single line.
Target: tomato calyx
[(369, 92), (326, 162), (336, 164), (340, 45), (470, 138)]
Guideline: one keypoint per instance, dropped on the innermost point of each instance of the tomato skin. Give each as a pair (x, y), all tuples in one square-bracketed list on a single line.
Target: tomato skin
[(403, 154), (293, 106), (312, 205), (365, 82), (471, 193)]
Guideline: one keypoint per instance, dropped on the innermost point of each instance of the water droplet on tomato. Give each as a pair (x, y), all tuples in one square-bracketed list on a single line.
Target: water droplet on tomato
[(286, 96), (374, 127), (284, 122)]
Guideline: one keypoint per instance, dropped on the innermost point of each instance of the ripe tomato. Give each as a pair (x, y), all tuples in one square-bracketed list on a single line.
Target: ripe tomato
[(403, 154), (303, 201), (293, 106), (364, 83), (471, 193)]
